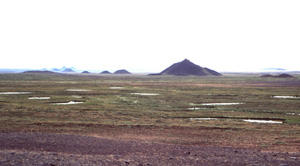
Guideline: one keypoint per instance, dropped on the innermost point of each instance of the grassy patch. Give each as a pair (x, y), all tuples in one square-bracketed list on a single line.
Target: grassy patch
[(105, 106)]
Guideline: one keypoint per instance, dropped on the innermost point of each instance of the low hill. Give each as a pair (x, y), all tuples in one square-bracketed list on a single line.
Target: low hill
[(123, 71), (284, 75), (186, 68), (105, 72), (85, 72), (39, 72)]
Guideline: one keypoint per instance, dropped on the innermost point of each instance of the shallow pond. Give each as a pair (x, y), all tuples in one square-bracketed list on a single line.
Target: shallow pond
[(14, 93), (203, 118), (77, 97), (286, 97), (145, 94), (69, 103), (219, 104), (276, 121), (116, 87), (262, 121), (39, 98), (196, 108)]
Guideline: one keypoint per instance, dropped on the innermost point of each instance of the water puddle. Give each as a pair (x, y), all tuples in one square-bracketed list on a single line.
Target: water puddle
[(196, 108), (39, 98), (69, 103), (292, 113), (262, 121), (145, 94), (203, 118), (219, 104), (286, 97), (14, 93), (78, 90), (116, 87), (251, 120), (77, 97)]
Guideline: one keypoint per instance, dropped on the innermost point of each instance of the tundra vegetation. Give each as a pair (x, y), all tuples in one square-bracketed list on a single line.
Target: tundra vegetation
[(156, 108)]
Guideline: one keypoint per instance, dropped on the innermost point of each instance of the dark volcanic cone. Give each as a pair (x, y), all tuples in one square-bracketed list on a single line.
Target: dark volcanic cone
[(105, 72), (123, 71), (186, 68), (284, 76), (278, 76)]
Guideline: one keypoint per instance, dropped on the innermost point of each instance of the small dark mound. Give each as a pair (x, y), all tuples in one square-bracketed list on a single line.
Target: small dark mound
[(277, 76), (186, 68), (123, 71), (105, 72), (284, 76), (85, 72), (39, 72)]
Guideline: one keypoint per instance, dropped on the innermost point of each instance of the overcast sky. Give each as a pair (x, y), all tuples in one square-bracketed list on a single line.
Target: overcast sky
[(150, 35)]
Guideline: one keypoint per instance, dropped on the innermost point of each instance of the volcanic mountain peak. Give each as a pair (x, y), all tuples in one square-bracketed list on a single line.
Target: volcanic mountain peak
[(186, 61), (187, 67), (122, 71), (105, 72)]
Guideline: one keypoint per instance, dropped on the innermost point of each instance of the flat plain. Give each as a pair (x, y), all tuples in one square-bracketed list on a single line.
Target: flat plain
[(93, 119)]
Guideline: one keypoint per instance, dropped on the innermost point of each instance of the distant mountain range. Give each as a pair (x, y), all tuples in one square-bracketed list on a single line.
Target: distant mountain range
[(58, 70), (64, 69), (39, 72), (12, 70), (274, 69), (184, 67)]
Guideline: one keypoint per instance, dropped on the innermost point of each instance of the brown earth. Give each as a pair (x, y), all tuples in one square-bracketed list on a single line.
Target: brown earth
[(144, 145), (20, 148), (268, 139)]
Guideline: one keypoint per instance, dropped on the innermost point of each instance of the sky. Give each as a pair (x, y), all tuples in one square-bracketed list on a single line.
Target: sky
[(150, 35)]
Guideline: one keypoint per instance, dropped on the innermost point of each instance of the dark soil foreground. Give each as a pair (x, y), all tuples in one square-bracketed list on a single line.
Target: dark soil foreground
[(61, 149)]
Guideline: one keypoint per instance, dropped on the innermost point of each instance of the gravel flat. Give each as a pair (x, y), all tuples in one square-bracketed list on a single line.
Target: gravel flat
[(62, 149)]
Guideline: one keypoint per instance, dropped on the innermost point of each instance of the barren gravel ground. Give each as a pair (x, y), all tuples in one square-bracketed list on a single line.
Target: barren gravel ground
[(61, 149)]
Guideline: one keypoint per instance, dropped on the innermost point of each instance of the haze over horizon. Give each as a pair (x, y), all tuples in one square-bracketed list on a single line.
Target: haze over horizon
[(148, 36)]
